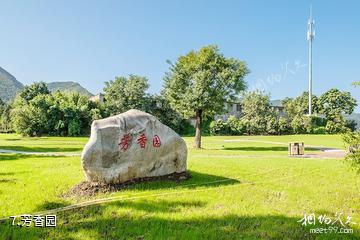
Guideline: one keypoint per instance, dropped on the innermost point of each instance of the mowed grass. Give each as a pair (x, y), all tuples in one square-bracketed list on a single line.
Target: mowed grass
[(238, 190), (42, 144)]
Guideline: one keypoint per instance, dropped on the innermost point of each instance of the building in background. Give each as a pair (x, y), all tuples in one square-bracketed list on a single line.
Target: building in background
[(235, 109), (98, 98)]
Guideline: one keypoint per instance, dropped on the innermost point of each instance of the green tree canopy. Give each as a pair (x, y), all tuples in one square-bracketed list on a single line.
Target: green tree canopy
[(257, 113), (159, 107), (295, 107), (356, 83), (201, 82), (37, 111), (124, 93), (2, 106), (334, 102), (31, 91)]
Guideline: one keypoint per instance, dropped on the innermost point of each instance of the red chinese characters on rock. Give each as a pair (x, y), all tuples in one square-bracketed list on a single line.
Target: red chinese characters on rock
[(156, 141), (142, 140), (125, 141)]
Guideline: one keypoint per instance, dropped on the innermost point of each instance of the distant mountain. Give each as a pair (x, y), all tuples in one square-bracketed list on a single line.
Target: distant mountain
[(68, 87), (9, 86)]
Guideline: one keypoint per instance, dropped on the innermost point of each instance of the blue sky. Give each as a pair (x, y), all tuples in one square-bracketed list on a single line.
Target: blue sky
[(91, 42)]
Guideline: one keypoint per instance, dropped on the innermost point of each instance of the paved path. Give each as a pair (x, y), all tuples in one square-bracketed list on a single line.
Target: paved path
[(326, 152), (41, 153)]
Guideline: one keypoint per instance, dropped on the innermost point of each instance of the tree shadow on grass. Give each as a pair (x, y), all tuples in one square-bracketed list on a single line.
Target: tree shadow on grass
[(7, 180), (274, 148), (163, 219), (148, 206), (7, 174), (9, 156), (12, 156), (13, 173), (197, 180), (49, 205), (42, 149), (149, 225), (26, 138), (158, 206), (85, 190)]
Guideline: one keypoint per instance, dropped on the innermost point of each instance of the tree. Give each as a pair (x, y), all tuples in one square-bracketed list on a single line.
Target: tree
[(71, 114), (5, 119), (334, 103), (201, 82), (301, 124), (356, 83), (37, 112), (31, 91), (123, 93), (256, 113), (29, 113), (284, 126), (352, 140), (159, 107), (272, 123), (30, 119), (299, 106), (2, 106), (296, 110)]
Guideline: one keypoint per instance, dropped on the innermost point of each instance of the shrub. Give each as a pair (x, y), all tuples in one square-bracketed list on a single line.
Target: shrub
[(74, 128), (333, 127), (54, 114), (351, 124), (235, 126), (319, 130), (301, 124), (272, 125), (186, 129), (232, 126), (284, 126), (317, 121), (352, 140), (29, 121), (219, 127)]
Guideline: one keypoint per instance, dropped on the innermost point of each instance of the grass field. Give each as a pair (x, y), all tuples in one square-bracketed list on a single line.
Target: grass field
[(238, 190)]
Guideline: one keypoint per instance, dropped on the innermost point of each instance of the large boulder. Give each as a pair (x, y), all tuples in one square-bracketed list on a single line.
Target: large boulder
[(130, 146)]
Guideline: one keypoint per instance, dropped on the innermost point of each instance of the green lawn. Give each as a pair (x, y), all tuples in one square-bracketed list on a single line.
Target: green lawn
[(239, 190)]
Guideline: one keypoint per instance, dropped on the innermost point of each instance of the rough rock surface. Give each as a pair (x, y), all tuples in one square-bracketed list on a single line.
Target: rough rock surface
[(132, 145)]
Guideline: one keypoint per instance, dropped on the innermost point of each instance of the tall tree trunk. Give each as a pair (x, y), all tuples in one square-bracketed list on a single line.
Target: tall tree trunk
[(197, 143)]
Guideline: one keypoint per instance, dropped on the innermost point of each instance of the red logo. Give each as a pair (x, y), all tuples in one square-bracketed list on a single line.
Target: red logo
[(156, 141)]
